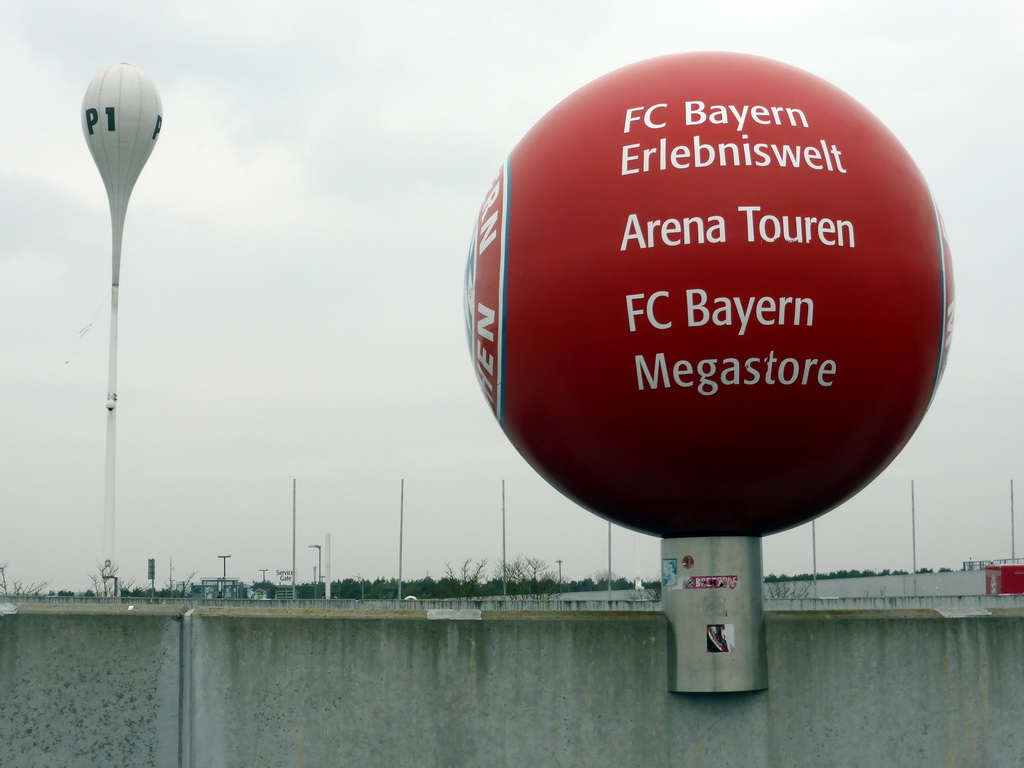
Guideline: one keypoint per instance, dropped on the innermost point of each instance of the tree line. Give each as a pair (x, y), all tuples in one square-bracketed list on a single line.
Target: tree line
[(519, 578), (522, 577), (847, 574)]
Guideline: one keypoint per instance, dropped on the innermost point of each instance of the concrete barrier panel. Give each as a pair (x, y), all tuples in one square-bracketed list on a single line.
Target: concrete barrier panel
[(919, 690), (907, 683), (401, 689), (89, 686)]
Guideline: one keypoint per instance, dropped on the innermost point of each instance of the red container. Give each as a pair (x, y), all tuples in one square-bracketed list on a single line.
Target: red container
[(1004, 579)]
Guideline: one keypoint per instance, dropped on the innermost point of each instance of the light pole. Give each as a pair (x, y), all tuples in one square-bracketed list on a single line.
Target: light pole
[(609, 561), (504, 563), (295, 571), (325, 572), (913, 535), (401, 534), (814, 558), (559, 576), (224, 560), (319, 573)]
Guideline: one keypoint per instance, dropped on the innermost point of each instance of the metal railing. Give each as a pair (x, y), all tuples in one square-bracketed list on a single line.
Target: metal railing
[(979, 565)]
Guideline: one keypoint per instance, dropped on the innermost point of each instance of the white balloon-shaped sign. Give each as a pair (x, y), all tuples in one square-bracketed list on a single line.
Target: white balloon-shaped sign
[(121, 118)]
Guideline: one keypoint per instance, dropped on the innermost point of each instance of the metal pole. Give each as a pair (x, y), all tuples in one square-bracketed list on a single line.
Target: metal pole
[(295, 573), (638, 579), (717, 644), (401, 531), (913, 534), (326, 574), (224, 577), (1013, 536), (559, 575), (504, 563), (609, 560), (318, 570), (109, 564), (814, 558)]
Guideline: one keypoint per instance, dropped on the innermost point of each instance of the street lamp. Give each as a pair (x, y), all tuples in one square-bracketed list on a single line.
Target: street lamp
[(319, 573), (224, 560), (559, 576)]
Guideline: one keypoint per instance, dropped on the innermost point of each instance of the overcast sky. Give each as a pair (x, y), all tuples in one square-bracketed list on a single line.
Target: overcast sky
[(292, 275)]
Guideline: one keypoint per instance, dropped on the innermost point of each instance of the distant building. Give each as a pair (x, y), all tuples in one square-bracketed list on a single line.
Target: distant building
[(228, 589)]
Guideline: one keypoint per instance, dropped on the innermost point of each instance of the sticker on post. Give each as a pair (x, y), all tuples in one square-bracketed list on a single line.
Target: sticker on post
[(721, 638), (712, 582), (668, 572)]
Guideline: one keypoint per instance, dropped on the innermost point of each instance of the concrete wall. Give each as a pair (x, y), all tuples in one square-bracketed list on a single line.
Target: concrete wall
[(88, 687), (926, 584), (904, 683)]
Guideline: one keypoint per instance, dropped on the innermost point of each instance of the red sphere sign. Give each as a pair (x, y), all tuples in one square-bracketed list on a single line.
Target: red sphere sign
[(709, 294)]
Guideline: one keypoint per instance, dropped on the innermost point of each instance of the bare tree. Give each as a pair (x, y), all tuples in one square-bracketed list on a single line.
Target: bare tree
[(467, 581), (652, 593), (106, 583), (186, 584), (786, 590), (17, 586), (528, 576)]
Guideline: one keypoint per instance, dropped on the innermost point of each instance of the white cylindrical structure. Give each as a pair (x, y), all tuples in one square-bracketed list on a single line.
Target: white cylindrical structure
[(712, 596), (121, 120), (111, 452)]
